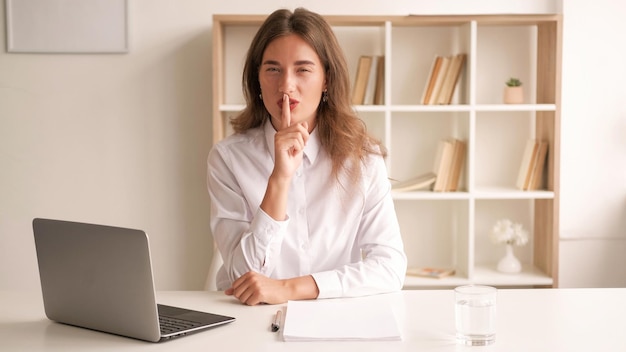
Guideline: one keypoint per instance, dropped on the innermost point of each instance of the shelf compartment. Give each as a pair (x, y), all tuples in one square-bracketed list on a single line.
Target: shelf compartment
[(360, 41), (414, 49), (429, 234), (413, 148), (487, 213), (233, 56), (435, 233), (500, 141), (513, 49)]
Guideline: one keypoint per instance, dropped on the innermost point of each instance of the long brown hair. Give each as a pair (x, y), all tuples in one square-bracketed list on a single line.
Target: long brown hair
[(342, 133)]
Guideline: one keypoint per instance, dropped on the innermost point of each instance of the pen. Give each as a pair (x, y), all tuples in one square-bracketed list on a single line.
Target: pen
[(276, 322)]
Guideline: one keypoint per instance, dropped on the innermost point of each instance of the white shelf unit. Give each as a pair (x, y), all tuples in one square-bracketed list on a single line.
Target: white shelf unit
[(447, 229)]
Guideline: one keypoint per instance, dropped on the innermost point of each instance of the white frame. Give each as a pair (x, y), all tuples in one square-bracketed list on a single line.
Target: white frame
[(67, 26)]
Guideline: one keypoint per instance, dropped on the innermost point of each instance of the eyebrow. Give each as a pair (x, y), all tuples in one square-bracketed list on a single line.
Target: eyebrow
[(297, 63)]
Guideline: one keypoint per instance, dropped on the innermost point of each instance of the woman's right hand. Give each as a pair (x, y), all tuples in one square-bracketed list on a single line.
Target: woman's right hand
[(289, 143)]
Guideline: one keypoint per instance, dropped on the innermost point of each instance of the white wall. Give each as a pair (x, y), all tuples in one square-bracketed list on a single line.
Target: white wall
[(114, 139), (122, 139), (593, 157)]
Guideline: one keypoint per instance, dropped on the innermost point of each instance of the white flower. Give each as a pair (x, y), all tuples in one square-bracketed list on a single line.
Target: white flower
[(505, 231)]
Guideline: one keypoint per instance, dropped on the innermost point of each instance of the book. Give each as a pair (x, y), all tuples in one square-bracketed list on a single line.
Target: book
[(443, 69), (528, 160), (360, 81), (435, 273), (443, 160), (457, 162), (451, 79), (531, 166), (423, 181), (379, 91), (430, 82), (342, 319), (540, 162), (446, 82), (370, 89)]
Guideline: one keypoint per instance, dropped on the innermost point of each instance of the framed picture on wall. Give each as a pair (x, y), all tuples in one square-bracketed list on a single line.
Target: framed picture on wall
[(67, 26)]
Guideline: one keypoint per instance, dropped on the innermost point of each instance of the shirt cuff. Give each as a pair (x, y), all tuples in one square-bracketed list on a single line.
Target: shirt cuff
[(328, 284)]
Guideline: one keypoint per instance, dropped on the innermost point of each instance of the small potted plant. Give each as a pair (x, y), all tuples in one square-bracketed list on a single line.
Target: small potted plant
[(513, 92), (510, 234)]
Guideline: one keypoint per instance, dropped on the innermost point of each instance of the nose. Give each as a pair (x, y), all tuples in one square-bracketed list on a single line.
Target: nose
[(287, 82)]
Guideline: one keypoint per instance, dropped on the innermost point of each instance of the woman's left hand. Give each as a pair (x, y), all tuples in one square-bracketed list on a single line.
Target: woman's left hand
[(253, 288)]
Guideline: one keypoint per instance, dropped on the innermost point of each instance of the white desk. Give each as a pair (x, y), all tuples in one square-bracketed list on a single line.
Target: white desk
[(528, 320)]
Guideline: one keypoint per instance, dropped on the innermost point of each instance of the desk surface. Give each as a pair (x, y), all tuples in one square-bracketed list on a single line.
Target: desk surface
[(528, 320)]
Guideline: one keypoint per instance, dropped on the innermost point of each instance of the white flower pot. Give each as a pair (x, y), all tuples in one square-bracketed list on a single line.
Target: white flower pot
[(509, 263)]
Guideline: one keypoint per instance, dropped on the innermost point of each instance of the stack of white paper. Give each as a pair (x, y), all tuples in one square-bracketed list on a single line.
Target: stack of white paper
[(342, 319)]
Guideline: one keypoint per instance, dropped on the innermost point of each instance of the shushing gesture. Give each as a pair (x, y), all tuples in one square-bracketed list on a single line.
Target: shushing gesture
[(289, 143)]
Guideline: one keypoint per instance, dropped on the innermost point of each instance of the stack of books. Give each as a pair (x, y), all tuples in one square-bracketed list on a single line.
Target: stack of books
[(369, 83), (442, 80), (446, 172), (530, 174)]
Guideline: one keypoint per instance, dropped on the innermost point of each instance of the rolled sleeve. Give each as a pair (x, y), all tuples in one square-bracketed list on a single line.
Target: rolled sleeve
[(268, 237)]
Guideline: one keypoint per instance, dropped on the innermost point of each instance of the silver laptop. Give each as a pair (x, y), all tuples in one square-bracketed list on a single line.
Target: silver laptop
[(100, 277)]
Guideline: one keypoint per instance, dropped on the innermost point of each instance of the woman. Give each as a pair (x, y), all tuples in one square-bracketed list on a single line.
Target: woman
[(301, 204)]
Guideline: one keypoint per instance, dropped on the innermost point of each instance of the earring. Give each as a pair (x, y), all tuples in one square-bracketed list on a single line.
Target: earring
[(261, 96), (325, 96)]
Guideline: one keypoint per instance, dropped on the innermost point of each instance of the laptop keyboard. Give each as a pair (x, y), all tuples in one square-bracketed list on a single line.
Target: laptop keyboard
[(170, 325)]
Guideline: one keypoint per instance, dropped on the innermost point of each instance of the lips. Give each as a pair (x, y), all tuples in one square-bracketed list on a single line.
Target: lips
[(292, 103)]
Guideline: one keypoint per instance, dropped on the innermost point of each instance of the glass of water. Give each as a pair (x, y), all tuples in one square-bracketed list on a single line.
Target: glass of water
[(475, 315)]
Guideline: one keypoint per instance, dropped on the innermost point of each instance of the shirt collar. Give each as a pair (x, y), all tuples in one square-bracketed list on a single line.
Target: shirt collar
[(311, 150)]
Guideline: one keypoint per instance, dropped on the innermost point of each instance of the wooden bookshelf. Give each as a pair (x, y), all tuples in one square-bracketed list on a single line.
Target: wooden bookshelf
[(447, 229)]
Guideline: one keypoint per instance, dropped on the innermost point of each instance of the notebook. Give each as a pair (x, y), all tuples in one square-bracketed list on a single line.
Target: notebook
[(342, 319), (100, 277)]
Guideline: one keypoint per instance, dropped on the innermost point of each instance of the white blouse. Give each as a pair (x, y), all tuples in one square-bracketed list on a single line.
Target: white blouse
[(347, 238)]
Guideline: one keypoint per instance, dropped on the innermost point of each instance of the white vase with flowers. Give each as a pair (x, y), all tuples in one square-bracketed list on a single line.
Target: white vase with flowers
[(510, 234)]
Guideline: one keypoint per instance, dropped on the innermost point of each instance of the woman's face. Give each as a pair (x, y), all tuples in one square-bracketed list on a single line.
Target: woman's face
[(291, 66)]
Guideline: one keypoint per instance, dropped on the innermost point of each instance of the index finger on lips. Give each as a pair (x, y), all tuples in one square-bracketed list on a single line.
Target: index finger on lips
[(286, 113)]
